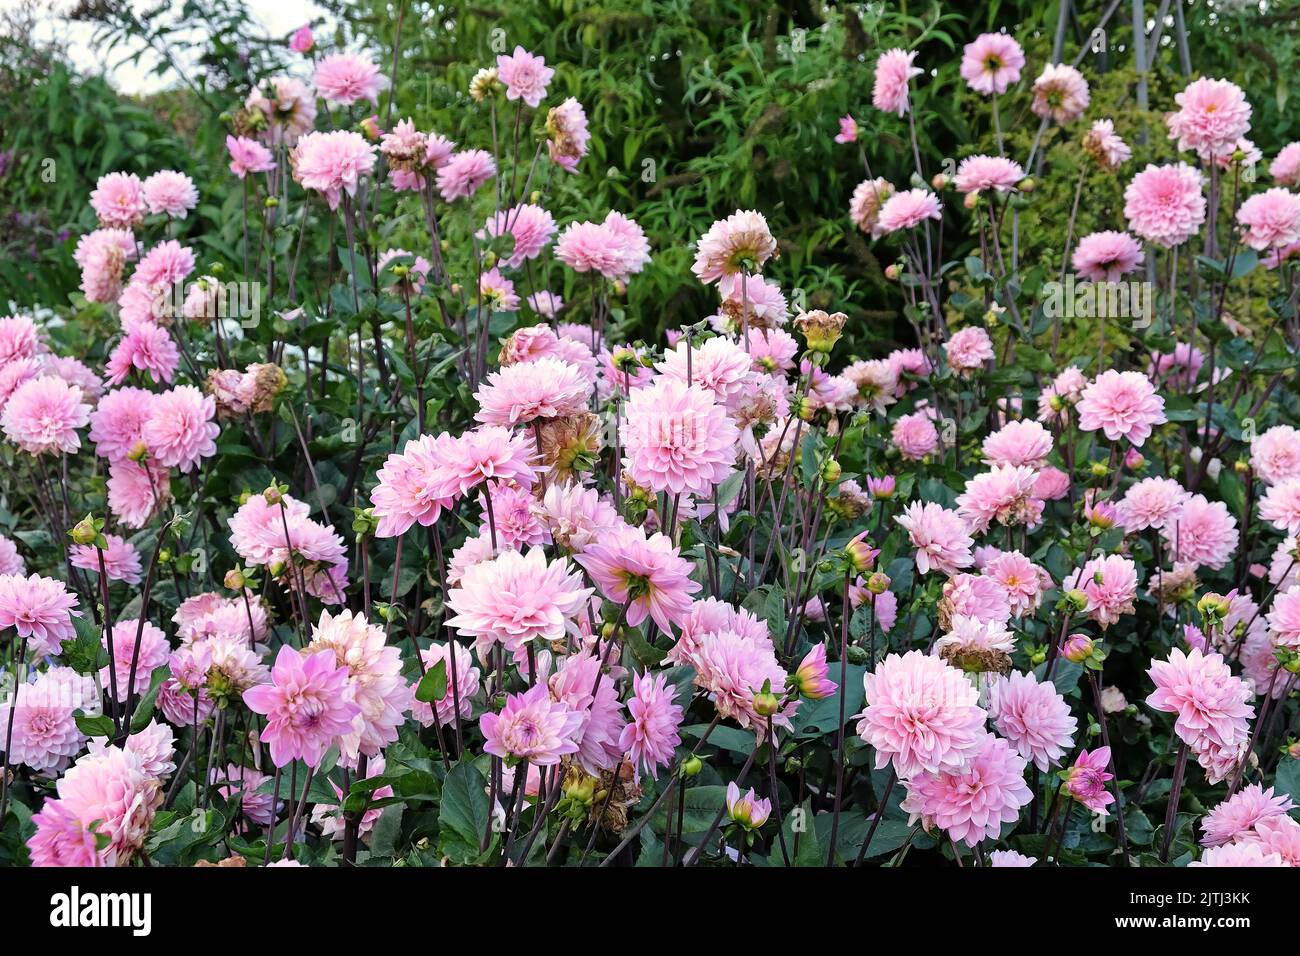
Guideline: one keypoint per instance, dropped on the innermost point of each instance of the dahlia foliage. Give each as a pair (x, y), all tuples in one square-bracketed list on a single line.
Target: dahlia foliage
[(429, 562)]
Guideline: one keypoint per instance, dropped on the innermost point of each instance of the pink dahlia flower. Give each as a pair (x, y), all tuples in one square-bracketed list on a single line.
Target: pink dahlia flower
[(345, 78), (1275, 455), (525, 75), (1205, 534), (968, 349), (45, 735), (1239, 854), (979, 173), (1105, 256), (1103, 144), (148, 348), (466, 684), (971, 804), (531, 228), (248, 156), (1124, 405), (170, 193), (915, 436), (1002, 494), (1270, 219), (533, 727), (868, 198), (991, 63), (1164, 204), (527, 391), (1152, 503), (1211, 706), (308, 705), (1212, 116), (137, 490), (1285, 168), (941, 537), (43, 414), (1018, 443), (1086, 780), (1010, 858), (747, 810), (101, 255), (907, 210), (922, 715), (151, 654), (118, 200), (568, 144), (740, 243), (733, 669), (1060, 93), (40, 609), (1280, 506), (848, 130), (578, 685), (180, 431), (11, 562), (488, 453), (464, 172), (645, 573), (333, 163), (1110, 584), (1033, 717), (410, 485), (121, 561), (1022, 581), (1236, 817), (676, 439), (894, 70), (1284, 619)]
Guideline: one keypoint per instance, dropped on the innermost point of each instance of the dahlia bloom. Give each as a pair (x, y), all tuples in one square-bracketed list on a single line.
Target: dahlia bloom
[(1238, 854), (40, 609), (524, 392), (569, 136), (811, 678), (576, 517), (1212, 116), (941, 537), (170, 193), (121, 561), (1110, 584), (531, 227), (1275, 454), (733, 668), (525, 75), (533, 727), (1002, 494), (137, 491), (1021, 581), (1270, 219), (741, 242), (410, 486), (894, 70), (1086, 780), (43, 414), (748, 811), (1033, 717), (11, 562), (968, 349), (1284, 619), (1060, 93), (1105, 256), (645, 573), (1236, 816), (488, 453), (465, 686), (248, 156), (1285, 168), (1278, 835), (464, 172), (1010, 858), (152, 653), (1103, 144), (1164, 204), (907, 210), (922, 715), (1022, 442), (972, 803), (979, 173), (676, 439), (308, 705), (915, 435), (1152, 503), (578, 685), (1211, 706), (118, 200), (344, 78), (991, 63), (244, 783), (515, 598), (1123, 405), (1204, 534), (848, 130), (1280, 506), (333, 163), (180, 430), (45, 735), (101, 256), (869, 197), (146, 347)]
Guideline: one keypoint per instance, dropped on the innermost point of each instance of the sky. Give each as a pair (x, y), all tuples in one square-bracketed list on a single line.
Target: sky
[(276, 17)]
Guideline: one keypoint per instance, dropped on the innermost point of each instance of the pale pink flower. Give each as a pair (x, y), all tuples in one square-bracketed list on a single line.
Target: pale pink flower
[(1236, 816), (546, 304), (1205, 534), (39, 609), (19, 339), (11, 562), (907, 210), (466, 684), (515, 598), (531, 227), (1002, 494), (496, 292), (811, 676), (894, 70), (1280, 506), (171, 193), (968, 349), (245, 783), (514, 514), (410, 488), (308, 705), (747, 810), (1270, 219), (248, 156), (1152, 503), (1164, 204), (1179, 367), (301, 41), (645, 573), (180, 430), (575, 516), (101, 255), (733, 668), (165, 264), (1103, 144), (718, 366), (941, 537), (915, 436), (677, 439), (1239, 854), (148, 348), (1020, 442), (578, 685), (975, 174), (45, 735), (876, 382), (1105, 256), (991, 63), (464, 172), (137, 490), (74, 372), (567, 124), (1278, 835), (344, 78), (417, 273), (1060, 93), (1110, 584), (1033, 717), (525, 75), (922, 715), (772, 350), (1086, 780), (333, 163), (152, 653), (1275, 455), (1212, 116), (1124, 405), (525, 392), (533, 727), (741, 242), (488, 453), (848, 130), (1010, 858), (121, 561), (1022, 581), (118, 200), (1285, 168), (971, 803), (43, 414), (1284, 619), (869, 196), (711, 616), (1210, 705)]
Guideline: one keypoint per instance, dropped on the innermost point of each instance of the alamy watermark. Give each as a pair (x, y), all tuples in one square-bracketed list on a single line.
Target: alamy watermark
[(1075, 299)]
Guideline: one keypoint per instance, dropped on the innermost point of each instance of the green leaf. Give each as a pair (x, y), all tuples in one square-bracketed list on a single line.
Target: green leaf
[(463, 815), (99, 726), (433, 685), (1288, 778)]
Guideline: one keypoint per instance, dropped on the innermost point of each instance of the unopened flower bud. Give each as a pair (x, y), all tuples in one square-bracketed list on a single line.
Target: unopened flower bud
[(1077, 599), (139, 451), (878, 583), (84, 531), (830, 471), (235, 579), (939, 182), (691, 766), (1077, 648), (766, 704)]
